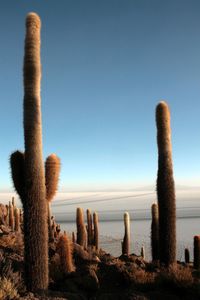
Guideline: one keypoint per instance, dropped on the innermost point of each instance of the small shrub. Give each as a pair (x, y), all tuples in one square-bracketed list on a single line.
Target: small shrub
[(8, 290)]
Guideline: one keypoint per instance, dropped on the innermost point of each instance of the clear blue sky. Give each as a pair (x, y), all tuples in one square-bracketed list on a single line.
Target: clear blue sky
[(105, 65)]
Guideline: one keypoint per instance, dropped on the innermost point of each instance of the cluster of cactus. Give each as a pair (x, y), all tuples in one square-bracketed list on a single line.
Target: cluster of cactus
[(11, 216), (87, 235), (37, 183)]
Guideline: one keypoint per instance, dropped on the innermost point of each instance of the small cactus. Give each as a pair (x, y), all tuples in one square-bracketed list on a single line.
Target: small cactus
[(11, 216), (64, 248), (17, 219), (89, 227), (126, 240), (155, 232), (73, 237), (81, 231), (165, 187), (197, 252), (187, 256), (96, 230), (143, 252)]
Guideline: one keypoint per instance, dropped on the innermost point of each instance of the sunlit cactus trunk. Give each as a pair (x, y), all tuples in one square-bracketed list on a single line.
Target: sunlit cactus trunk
[(81, 230), (65, 248), (126, 240), (17, 219), (165, 187), (197, 252), (35, 208), (155, 232)]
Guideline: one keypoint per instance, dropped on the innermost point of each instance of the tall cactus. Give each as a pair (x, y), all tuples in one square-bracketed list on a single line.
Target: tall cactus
[(126, 240), (165, 187), (35, 208), (52, 170), (155, 232)]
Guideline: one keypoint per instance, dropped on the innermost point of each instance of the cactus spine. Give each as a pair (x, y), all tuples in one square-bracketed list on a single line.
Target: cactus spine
[(96, 230), (65, 248), (155, 232), (52, 170), (197, 252), (126, 240), (81, 231), (165, 187), (35, 208), (89, 227)]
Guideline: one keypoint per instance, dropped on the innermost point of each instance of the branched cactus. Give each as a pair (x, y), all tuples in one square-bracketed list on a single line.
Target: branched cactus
[(89, 227), (81, 230), (197, 252), (52, 170), (65, 248), (165, 187), (126, 240), (96, 230), (28, 169), (155, 232)]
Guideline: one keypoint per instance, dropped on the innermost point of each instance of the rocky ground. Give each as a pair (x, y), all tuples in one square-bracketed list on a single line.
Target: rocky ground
[(97, 275)]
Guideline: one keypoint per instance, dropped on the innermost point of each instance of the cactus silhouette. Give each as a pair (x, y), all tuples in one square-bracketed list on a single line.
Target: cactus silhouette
[(143, 252), (52, 170), (89, 227), (81, 231), (34, 203), (64, 248), (187, 256), (197, 252), (165, 187), (96, 230), (155, 232), (126, 240)]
